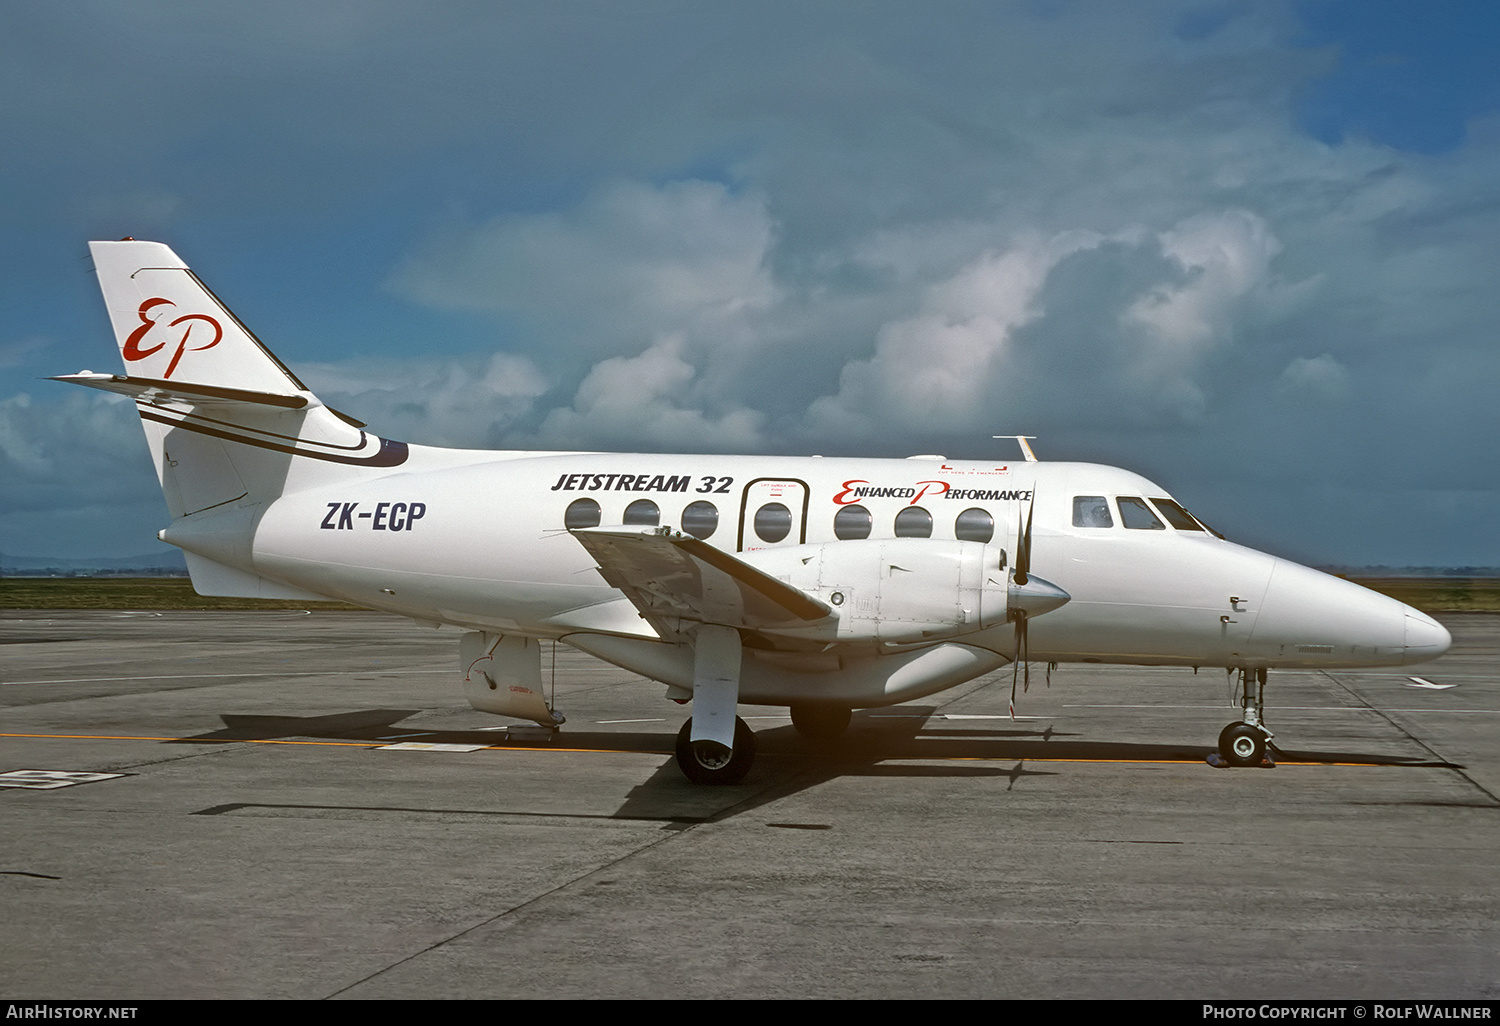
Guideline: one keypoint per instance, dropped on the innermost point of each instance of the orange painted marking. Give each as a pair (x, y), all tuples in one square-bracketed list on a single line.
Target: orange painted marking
[(332, 744)]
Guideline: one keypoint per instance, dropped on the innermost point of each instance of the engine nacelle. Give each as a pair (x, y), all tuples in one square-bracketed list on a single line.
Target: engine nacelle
[(897, 589)]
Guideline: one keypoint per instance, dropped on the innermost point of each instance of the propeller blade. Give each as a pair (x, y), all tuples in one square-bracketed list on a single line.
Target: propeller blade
[(1026, 597), (1023, 545), (1015, 667), (1026, 657)]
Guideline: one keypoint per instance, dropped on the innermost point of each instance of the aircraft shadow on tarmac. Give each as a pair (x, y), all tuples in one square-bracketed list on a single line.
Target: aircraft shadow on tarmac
[(907, 745), (360, 725)]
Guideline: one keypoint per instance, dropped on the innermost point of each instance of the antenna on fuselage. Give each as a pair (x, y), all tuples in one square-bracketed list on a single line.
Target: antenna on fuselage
[(1021, 440)]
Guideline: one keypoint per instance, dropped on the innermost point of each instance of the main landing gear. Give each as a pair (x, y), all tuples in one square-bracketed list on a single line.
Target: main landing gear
[(1244, 743), (708, 762)]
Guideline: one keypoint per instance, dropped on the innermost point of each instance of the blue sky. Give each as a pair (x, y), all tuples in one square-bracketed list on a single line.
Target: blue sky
[(1249, 249)]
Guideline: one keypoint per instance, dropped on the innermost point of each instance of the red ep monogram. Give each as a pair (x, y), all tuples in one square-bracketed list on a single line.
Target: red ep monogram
[(152, 318)]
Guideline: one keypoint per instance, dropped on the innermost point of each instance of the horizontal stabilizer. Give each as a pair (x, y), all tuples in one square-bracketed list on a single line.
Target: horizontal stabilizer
[(678, 582), (158, 390)]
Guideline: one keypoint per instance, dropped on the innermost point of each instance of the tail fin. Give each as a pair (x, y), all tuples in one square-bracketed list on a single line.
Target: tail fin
[(171, 327), (230, 427)]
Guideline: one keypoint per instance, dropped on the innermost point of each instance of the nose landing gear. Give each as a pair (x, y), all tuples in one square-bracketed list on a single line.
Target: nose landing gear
[(1245, 743), (1240, 744)]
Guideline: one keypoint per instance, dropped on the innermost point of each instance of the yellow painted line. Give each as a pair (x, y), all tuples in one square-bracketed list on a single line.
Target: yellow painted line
[(594, 751), (216, 676), (638, 751), (204, 740), (1126, 762), (328, 744)]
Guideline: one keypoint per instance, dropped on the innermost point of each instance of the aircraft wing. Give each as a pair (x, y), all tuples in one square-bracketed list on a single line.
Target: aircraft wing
[(678, 582)]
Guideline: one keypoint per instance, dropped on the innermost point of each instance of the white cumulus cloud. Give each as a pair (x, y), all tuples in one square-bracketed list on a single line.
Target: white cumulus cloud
[(646, 398)]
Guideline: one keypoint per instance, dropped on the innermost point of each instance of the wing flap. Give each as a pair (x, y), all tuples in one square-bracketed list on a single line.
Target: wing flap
[(678, 581)]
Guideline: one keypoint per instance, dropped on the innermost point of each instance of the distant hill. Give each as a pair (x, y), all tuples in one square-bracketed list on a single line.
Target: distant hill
[(165, 563)]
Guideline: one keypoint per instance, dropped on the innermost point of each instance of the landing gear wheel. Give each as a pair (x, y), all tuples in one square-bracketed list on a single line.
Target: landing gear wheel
[(708, 763), (820, 722), (1242, 745)]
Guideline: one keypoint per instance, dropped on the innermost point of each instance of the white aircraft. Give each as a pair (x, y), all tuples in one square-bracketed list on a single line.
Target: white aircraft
[(824, 585)]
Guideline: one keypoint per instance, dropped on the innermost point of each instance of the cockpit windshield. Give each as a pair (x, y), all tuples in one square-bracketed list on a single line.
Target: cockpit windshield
[(1136, 513), (1176, 515), (1137, 516)]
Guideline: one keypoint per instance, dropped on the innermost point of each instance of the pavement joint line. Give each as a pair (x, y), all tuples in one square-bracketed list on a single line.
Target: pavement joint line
[(683, 827), (1387, 714)]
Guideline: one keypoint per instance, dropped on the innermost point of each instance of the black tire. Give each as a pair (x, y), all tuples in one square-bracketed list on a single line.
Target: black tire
[(1242, 745), (1224, 738), (821, 722), (702, 765)]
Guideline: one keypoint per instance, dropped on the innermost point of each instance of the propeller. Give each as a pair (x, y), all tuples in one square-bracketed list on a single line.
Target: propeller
[(1021, 656), (1023, 544), (1027, 596), (1021, 578)]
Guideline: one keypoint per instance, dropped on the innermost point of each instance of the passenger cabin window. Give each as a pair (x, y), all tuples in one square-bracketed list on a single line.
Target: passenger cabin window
[(1176, 515), (581, 513), (1136, 515), (642, 513), (852, 523), (914, 522), (974, 525), (700, 519), (1091, 511), (773, 522)]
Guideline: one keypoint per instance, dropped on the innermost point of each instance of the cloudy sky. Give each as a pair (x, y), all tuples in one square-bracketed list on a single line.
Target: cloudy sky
[(1249, 249)]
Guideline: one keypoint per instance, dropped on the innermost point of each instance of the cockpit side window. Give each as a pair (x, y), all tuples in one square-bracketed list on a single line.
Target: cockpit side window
[(1091, 511), (1136, 515), (1176, 515)]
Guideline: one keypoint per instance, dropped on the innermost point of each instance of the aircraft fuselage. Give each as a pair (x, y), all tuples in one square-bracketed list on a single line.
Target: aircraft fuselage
[(485, 545)]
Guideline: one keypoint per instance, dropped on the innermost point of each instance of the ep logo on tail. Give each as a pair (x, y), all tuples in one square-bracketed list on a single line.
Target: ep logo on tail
[(133, 352)]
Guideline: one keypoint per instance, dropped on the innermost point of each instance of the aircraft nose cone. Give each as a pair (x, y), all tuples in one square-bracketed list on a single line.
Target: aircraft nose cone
[(1425, 637), (1036, 596), (1321, 620)]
